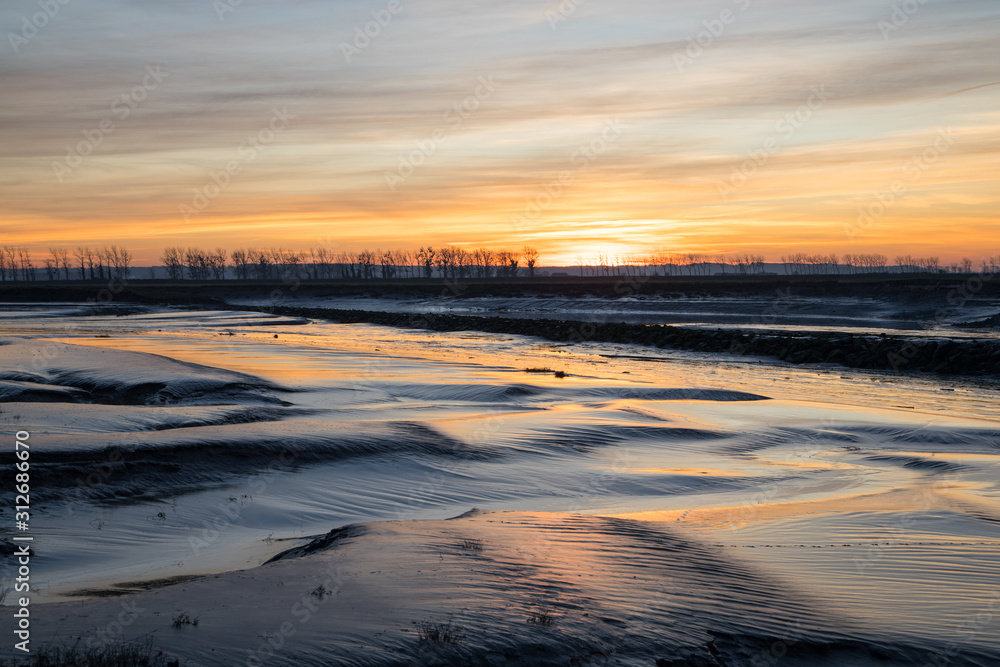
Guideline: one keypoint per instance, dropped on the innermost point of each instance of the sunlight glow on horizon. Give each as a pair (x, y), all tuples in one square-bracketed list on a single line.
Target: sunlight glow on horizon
[(575, 139)]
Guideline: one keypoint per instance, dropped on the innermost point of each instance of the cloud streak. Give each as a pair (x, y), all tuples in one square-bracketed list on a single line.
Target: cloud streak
[(325, 174)]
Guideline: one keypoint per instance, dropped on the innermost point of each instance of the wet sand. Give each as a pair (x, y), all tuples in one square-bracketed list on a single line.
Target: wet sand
[(695, 508)]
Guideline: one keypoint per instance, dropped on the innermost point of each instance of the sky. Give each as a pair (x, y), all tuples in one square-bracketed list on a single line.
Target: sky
[(578, 127)]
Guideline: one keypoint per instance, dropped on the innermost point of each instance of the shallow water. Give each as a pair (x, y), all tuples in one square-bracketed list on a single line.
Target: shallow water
[(874, 495)]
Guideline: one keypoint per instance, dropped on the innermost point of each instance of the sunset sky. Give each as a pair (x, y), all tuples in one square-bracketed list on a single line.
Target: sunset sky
[(588, 125)]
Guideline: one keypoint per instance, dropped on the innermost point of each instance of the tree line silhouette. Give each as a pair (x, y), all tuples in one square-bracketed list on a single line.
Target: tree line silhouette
[(104, 263), (318, 263), (448, 262), (795, 264)]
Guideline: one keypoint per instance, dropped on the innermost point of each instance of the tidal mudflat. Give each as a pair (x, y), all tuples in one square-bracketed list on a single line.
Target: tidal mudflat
[(249, 488)]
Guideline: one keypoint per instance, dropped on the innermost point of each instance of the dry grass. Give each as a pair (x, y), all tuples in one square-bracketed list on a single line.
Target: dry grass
[(321, 592), (542, 616), (127, 654), (184, 618), (472, 544), (546, 369), (439, 632)]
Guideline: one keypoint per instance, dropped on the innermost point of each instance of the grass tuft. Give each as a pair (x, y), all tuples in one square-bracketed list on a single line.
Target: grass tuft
[(321, 591), (545, 369), (471, 544), (542, 616), (440, 632), (184, 618), (126, 654)]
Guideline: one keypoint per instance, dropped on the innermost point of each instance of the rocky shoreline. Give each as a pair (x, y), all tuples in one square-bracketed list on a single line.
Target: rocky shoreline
[(964, 357)]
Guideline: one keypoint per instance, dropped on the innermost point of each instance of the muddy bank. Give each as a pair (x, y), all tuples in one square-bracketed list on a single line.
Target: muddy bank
[(882, 352), (907, 287)]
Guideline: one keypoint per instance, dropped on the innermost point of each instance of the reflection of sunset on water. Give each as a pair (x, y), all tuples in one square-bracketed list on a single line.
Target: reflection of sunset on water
[(595, 488)]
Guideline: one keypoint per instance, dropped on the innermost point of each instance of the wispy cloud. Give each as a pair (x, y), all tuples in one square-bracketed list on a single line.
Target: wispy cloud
[(325, 174)]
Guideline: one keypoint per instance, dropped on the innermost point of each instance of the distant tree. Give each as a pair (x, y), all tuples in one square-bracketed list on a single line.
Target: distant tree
[(9, 262), (511, 259), (90, 257), (425, 256), (869, 262), (14, 263), (64, 262), (321, 262), (485, 260), (173, 260), (671, 265), (347, 262), (106, 263), (100, 256), (121, 260), (463, 262), (291, 265), (241, 264), (849, 262), (260, 261), (52, 265), (60, 260), (445, 261), (25, 264), (217, 262), (196, 263), (366, 264), (406, 259), (387, 263), (81, 261)]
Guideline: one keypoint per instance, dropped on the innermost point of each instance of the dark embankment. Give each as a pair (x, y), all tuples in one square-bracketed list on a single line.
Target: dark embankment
[(882, 352), (905, 286), (926, 294)]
